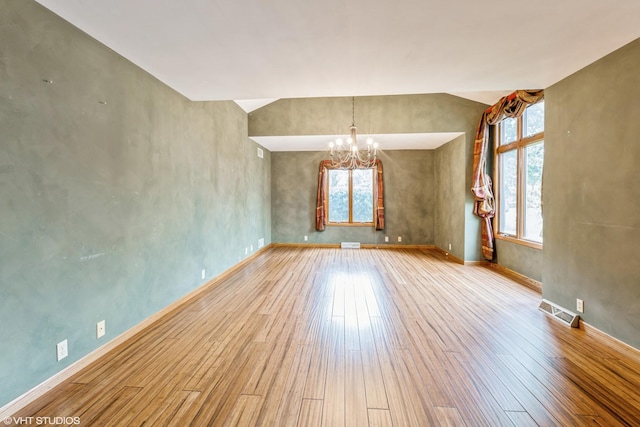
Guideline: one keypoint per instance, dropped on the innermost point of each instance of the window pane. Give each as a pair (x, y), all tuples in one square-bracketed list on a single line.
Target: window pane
[(508, 192), (338, 195), (508, 131), (363, 195), (533, 119), (534, 159)]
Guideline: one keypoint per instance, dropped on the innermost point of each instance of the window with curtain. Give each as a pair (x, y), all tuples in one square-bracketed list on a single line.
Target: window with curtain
[(350, 196), (519, 164)]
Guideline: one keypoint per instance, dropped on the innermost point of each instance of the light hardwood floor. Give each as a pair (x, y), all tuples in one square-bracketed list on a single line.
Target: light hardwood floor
[(369, 337)]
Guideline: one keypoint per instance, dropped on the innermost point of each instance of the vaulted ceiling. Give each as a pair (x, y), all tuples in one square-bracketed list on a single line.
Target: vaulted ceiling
[(256, 51), (268, 49)]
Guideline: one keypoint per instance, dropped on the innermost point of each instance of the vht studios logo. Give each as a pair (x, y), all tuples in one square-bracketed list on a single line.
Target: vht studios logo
[(56, 421)]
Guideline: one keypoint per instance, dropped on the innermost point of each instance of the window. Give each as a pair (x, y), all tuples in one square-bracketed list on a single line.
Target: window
[(363, 198), (350, 196), (519, 164)]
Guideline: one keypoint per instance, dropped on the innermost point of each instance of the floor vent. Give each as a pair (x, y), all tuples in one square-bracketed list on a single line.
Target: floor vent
[(560, 313), (350, 245)]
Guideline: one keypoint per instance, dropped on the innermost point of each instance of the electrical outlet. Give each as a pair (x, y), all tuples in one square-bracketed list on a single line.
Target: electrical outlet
[(386, 238), (62, 350), (204, 273), (580, 305), (246, 251), (449, 246), (251, 248), (399, 239), (260, 243), (101, 329), (306, 238)]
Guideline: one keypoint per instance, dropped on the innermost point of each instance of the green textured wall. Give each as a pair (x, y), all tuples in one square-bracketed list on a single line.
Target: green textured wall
[(519, 258), (409, 204), (450, 193), (108, 211), (591, 193), (411, 215)]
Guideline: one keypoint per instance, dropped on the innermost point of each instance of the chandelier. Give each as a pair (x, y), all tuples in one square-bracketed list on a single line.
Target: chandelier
[(345, 153)]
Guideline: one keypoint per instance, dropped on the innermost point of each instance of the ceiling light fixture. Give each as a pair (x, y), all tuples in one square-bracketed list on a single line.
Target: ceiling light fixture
[(345, 153)]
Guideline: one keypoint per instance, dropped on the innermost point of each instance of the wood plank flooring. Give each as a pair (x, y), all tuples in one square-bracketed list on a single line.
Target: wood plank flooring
[(369, 337)]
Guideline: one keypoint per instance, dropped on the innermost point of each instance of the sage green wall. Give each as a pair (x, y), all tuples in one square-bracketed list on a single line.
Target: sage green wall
[(519, 258), (591, 193), (409, 203), (380, 115), (108, 211), (450, 188)]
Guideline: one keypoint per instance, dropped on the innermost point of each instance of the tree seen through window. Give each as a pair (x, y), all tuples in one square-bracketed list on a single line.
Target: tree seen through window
[(350, 196)]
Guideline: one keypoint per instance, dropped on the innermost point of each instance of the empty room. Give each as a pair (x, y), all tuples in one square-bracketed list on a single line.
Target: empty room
[(339, 213)]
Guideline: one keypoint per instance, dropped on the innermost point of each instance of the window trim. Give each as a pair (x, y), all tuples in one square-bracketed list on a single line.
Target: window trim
[(519, 145), (350, 223)]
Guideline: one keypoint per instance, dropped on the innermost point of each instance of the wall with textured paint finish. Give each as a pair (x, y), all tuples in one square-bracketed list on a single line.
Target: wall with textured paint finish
[(108, 211), (519, 258), (378, 115), (438, 112), (409, 205), (591, 194), (450, 191)]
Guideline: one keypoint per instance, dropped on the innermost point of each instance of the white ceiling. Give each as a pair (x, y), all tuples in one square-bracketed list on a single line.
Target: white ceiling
[(250, 105), (255, 51), (388, 141)]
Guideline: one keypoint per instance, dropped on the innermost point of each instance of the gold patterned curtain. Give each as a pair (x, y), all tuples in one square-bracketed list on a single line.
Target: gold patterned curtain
[(378, 196), (484, 206)]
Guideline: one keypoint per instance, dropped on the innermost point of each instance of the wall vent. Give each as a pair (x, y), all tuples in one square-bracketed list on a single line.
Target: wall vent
[(350, 245), (560, 313)]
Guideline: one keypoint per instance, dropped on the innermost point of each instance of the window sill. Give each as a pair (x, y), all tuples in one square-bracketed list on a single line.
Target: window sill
[(348, 224), (522, 242)]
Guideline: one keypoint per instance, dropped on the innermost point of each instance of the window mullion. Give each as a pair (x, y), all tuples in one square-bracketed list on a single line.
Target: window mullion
[(521, 195), (519, 200), (350, 196), (508, 147)]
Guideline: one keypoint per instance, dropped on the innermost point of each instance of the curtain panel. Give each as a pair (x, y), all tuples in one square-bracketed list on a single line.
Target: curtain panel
[(482, 189), (322, 206)]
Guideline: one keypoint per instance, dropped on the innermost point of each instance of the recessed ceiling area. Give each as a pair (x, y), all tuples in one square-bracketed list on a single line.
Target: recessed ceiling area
[(394, 141)]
